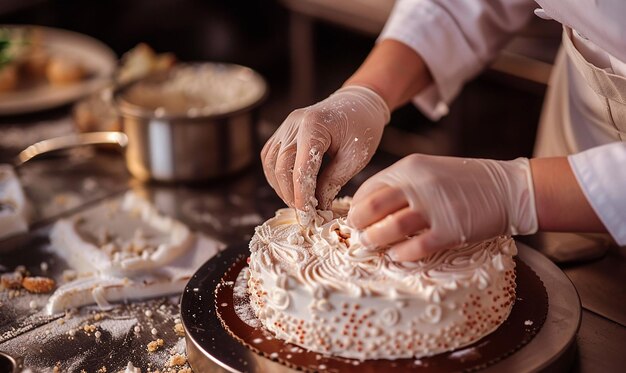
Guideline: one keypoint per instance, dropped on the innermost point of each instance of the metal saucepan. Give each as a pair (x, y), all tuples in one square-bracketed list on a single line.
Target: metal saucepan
[(7, 363), (178, 134)]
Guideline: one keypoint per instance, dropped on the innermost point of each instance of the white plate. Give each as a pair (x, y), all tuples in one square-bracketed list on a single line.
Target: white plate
[(99, 60)]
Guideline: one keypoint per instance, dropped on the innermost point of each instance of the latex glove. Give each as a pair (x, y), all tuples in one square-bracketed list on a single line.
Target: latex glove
[(347, 127), (422, 204)]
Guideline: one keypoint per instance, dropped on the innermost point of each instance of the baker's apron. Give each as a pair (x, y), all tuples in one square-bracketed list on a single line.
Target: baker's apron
[(585, 107)]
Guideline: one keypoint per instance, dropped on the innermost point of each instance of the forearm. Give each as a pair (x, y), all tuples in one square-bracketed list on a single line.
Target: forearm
[(394, 71), (560, 203)]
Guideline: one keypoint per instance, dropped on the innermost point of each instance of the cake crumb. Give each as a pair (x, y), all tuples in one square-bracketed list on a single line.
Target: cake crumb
[(102, 370), (184, 370), (343, 237), (177, 360), (38, 285), (11, 280), (179, 330), (528, 322), (155, 345), (89, 328)]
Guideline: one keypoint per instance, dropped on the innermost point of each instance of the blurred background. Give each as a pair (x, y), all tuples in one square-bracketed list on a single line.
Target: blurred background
[(307, 48)]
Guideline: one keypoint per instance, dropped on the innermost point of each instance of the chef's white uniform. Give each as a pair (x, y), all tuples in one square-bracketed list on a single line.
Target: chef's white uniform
[(586, 102)]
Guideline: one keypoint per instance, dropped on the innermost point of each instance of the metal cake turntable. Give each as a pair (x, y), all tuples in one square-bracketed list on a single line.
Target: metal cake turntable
[(211, 348)]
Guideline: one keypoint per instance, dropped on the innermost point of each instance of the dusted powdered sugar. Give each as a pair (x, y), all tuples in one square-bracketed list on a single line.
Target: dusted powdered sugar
[(320, 288)]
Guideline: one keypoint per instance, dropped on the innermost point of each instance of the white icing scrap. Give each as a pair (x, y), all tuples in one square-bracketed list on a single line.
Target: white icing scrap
[(135, 255), (99, 297), (107, 269)]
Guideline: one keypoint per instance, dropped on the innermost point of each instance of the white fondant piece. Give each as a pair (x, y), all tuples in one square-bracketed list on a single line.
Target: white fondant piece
[(104, 277), (103, 290), (87, 256)]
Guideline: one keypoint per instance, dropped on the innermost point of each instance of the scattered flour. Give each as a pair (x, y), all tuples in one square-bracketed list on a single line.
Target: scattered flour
[(241, 301)]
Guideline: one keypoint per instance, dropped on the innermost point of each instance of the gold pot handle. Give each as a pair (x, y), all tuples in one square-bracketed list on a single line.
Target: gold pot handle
[(71, 141)]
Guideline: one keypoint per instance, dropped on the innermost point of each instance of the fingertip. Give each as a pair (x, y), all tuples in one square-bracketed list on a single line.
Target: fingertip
[(355, 212), (413, 249), (353, 218)]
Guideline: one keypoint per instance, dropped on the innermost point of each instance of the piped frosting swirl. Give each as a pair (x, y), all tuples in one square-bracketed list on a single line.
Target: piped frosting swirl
[(329, 255)]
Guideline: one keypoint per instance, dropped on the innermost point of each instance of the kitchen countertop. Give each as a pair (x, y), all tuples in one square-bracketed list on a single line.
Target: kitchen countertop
[(228, 209)]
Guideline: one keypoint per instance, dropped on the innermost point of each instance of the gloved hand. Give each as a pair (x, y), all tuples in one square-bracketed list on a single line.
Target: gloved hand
[(422, 204), (347, 126)]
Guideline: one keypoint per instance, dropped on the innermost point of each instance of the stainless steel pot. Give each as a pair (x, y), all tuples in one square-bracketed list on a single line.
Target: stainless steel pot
[(181, 146), (7, 363)]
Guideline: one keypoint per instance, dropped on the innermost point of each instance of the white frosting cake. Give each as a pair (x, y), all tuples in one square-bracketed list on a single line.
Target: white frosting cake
[(319, 288)]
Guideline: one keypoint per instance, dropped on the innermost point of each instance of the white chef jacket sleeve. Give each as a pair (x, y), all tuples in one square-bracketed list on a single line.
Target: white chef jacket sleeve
[(601, 174), (455, 38)]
